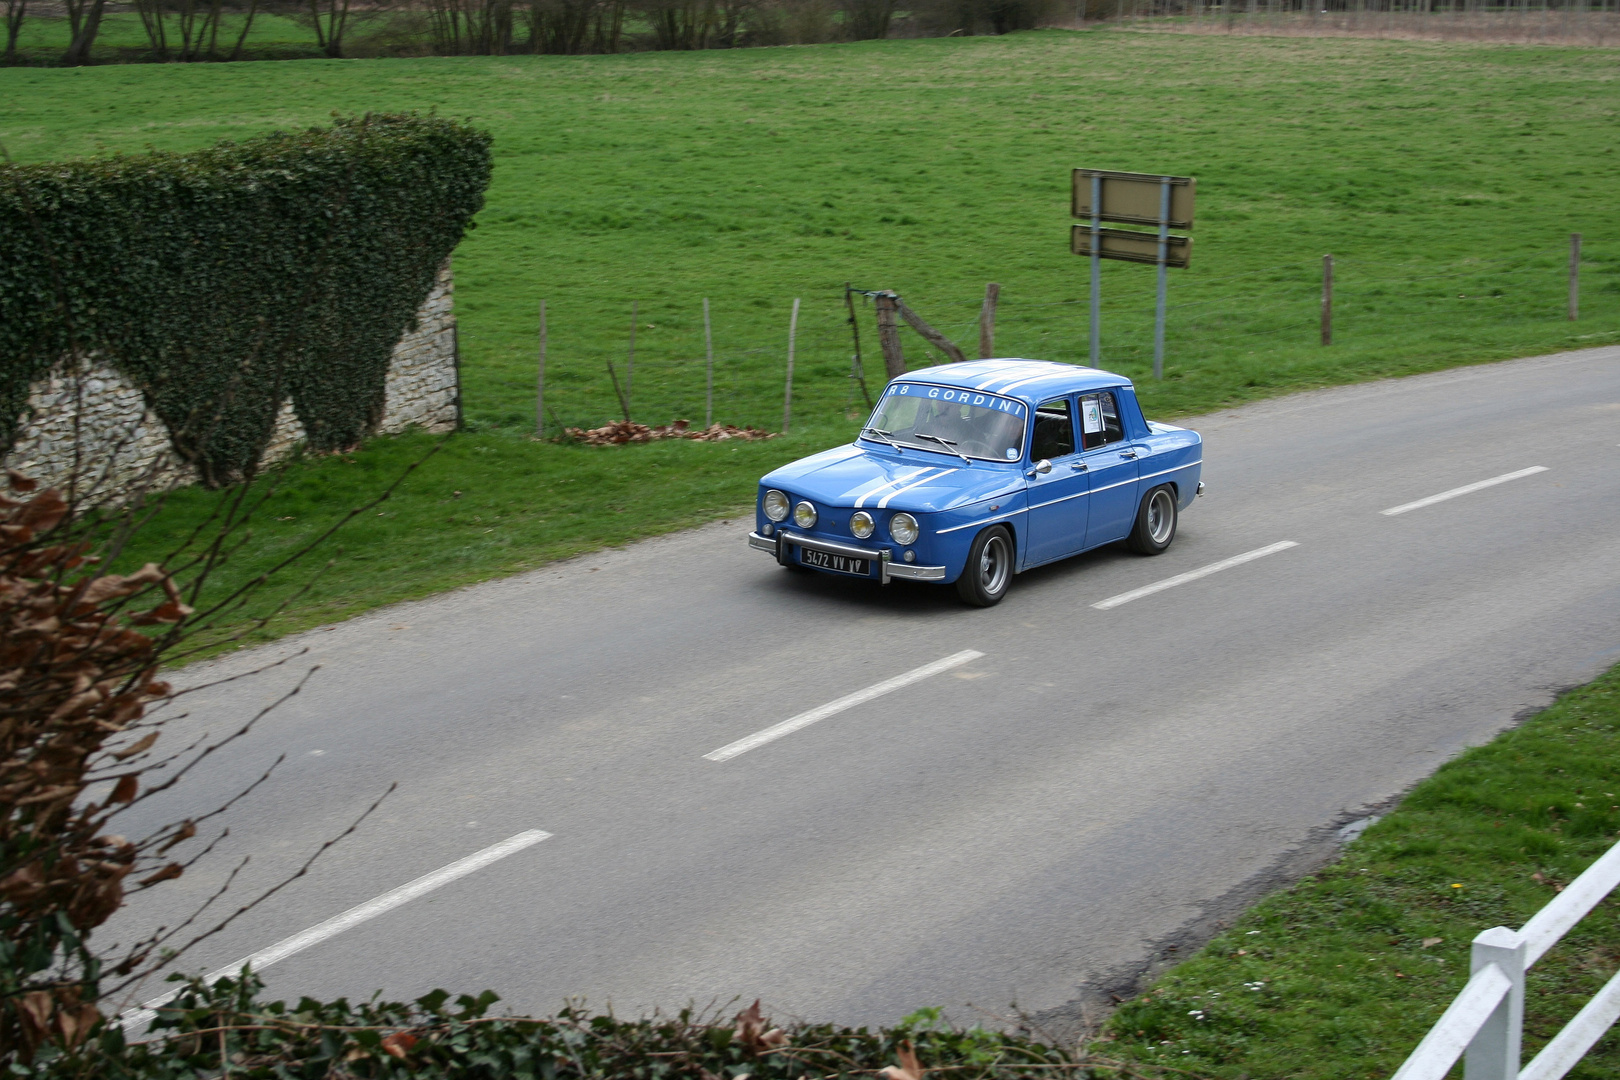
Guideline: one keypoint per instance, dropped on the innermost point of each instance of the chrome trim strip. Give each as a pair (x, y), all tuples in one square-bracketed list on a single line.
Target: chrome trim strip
[(1177, 468), (762, 543), (913, 572), (831, 547), (984, 521), (1066, 498), (1110, 487)]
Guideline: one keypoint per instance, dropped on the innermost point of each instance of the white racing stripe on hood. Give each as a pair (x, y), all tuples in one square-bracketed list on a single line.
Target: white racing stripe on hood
[(884, 505), (881, 484)]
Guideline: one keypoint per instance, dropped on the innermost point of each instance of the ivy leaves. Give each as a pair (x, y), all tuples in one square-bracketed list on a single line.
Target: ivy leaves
[(226, 282)]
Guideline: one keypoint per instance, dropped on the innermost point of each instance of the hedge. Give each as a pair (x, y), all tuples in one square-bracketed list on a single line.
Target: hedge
[(437, 1038), (225, 281)]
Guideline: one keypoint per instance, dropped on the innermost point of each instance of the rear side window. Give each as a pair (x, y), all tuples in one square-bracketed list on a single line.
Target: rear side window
[(1099, 420), (1054, 430)]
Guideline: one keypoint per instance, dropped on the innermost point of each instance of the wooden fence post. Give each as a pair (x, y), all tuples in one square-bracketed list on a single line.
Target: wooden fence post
[(1327, 299), (787, 394), (894, 360), (540, 380), (708, 347), (928, 333), (630, 365), (856, 370), (1574, 276), (987, 322)]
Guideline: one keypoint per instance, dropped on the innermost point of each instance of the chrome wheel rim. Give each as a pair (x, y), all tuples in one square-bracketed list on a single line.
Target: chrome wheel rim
[(994, 565), (1161, 517)]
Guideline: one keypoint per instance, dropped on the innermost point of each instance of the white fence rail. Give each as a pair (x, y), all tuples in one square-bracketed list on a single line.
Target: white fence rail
[(1486, 1022)]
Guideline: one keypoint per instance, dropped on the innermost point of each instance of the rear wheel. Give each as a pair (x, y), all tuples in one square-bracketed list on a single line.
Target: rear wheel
[(989, 568), (1155, 522)]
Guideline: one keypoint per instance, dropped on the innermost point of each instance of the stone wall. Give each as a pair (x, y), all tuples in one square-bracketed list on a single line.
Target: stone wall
[(89, 420)]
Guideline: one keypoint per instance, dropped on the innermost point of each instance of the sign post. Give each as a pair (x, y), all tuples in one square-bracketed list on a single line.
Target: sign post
[(1132, 199), (1096, 269)]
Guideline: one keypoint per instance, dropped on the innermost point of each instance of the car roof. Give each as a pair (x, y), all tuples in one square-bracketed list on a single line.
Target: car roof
[(1032, 381)]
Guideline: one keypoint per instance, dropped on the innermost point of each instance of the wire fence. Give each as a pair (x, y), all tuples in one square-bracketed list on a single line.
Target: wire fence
[(1265, 316)]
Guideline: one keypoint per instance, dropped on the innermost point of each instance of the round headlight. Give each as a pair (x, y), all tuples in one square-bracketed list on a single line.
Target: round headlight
[(903, 527), (776, 505), (861, 524), (804, 515)]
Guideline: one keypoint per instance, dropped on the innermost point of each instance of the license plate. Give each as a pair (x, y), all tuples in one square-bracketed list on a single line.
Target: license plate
[(841, 564)]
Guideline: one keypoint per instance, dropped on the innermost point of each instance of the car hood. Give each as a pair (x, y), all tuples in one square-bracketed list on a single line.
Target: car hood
[(918, 481)]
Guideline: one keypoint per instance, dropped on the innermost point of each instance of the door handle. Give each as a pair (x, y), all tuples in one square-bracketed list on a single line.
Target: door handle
[(1128, 454), (1078, 466)]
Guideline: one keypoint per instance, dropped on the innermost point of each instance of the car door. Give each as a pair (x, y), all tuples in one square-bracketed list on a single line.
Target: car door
[(1057, 499), (1111, 464)]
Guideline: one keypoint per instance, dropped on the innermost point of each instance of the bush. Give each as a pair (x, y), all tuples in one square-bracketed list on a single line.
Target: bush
[(224, 282), (434, 1037)]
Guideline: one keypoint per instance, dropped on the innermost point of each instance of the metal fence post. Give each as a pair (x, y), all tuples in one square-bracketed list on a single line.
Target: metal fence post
[(1574, 276), (708, 348), (787, 392), (1327, 299), (1494, 1053), (540, 380)]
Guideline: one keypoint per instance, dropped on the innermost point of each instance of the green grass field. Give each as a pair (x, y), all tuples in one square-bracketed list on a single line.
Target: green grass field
[(1340, 976), (1444, 178)]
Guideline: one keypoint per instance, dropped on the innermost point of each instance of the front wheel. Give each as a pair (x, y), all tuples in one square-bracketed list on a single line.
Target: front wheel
[(1155, 522), (989, 568)]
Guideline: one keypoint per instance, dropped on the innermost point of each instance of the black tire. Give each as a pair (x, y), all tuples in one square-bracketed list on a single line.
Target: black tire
[(1155, 522), (989, 568)]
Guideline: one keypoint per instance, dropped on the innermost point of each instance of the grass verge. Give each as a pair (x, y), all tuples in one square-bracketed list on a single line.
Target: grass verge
[(478, 507), (1341, 975)]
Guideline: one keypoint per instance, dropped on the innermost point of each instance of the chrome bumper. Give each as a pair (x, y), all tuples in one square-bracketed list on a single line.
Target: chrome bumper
[(888, 569)]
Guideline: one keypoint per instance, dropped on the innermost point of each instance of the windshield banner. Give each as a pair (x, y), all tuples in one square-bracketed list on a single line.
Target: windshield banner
[(951, 393)]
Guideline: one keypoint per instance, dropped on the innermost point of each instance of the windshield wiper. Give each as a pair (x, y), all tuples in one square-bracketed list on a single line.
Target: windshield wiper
[(943, 442), (884, 435)]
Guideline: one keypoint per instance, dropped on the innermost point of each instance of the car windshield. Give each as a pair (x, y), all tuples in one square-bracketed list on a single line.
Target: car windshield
[(946, 419)]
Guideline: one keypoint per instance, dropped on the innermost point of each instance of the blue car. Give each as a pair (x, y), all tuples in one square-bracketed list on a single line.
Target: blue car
[(973, 472)]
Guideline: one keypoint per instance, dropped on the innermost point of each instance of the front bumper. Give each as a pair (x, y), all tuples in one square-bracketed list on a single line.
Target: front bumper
[(887, 569)]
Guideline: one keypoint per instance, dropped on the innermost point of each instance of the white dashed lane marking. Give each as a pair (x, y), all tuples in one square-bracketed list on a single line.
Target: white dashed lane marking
[(849, 701), (1466, 489), (1193, 575), (139, 1018)]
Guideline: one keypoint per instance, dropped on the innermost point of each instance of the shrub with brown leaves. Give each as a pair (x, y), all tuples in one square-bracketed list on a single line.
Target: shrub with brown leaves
[(75, 676), (619, 432)]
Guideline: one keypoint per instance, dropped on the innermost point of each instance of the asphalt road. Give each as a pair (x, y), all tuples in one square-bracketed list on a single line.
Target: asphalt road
[(1000, 832)]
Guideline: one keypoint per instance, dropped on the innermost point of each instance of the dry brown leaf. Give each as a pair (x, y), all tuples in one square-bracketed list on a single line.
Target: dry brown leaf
[(620, 432), (908, 1069), (751, 1031), (168, 873), (144, 743), (398, 1044)]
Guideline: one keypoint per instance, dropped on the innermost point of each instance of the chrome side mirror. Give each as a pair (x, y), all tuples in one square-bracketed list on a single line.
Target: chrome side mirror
[(1042, 467)]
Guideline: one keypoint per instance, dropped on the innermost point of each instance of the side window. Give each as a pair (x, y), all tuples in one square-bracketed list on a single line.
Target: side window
[(1099, 420), (1054, 430)]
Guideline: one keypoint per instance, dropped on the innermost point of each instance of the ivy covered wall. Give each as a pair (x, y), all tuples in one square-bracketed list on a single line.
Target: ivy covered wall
[(225, 282)]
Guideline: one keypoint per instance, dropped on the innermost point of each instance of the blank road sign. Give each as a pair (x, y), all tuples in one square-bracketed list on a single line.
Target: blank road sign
[(1134, 198), (1131, 246)]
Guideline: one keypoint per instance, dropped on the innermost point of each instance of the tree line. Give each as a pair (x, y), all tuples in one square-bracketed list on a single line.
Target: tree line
[(203, 30)]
